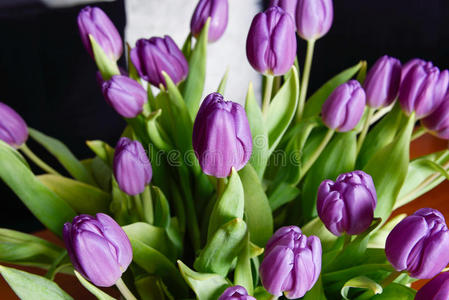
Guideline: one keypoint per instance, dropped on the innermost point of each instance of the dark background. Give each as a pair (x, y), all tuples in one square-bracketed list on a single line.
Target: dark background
[(47, 76)]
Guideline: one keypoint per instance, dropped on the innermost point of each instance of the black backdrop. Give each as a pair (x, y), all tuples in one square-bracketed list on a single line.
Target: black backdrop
[(46, 75)]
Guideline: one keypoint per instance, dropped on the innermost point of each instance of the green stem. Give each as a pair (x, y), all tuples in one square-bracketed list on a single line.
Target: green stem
[(393, 275), (138, 205), (305, 79), (365, 128), (221, 185), (39, 162), (317, 152), (148, 212), (347, 240), (380, 113), (418, 133), (267, 93), (124, 290)]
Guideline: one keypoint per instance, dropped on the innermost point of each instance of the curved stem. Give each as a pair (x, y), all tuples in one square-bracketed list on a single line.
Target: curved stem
[(267, 93), (365, 128), (124, 290), (317, 152), (39, 162), (390, 278), (418, 133), (305, 79)]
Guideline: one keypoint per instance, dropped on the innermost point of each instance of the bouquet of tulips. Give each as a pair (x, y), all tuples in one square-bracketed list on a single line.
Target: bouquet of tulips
[(210, 199)]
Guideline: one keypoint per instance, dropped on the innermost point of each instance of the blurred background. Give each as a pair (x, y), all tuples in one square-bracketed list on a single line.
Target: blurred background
[(47, 76)]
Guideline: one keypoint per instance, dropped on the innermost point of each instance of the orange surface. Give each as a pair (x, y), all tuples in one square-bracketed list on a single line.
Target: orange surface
[(437, 198)]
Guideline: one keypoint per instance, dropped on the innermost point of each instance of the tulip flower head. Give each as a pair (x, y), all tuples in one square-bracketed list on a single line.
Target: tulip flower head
[(93, 21), (236, 293), (382, 82), (217, 10), (423, 89), (287, 5), (314, 18), (125, 95), (132, 169), (271, 42), (437, 122), (98, 248), (410, 64), (347, 205), (13, 129), (292, 263), (344, 107), (221, 136), (152, 56), (436, 289), (419, 244)]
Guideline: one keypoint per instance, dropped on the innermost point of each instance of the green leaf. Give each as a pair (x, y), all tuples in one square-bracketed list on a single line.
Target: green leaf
[(282, 194), (260, 154), (392, 291), (382, 134), (316, 293), (316, 227), (360, 282), (222, 249), (102, 150), (346, 274), (205, 286), (378, 238), (105, 64), (92, 288), (315, 102), (83, 198), (27, 250), (258, 214), (32, 287), (261, 294), (161, 209), (155, 263), (194, 85), (242, 273), (282, 109), (229, 206), (337, 158), (150, 288), (63, 155), (388, 167), (48, 207), (362, 72), (222, 86), (101, 172)]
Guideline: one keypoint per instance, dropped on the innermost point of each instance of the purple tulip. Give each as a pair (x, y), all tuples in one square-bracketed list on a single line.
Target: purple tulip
[(423, 89), (287, 5), (152, 56), (235, 293), (132, 169), (217, 10), (98, 248), (271, 42), (382, 82), (438, 121), (292, 263), (221, 136), (347, 205), (344, 107), (436, 289), (419, 244), (93, 21), (13, 129), (314, 18), (125, 95), (410, 64)]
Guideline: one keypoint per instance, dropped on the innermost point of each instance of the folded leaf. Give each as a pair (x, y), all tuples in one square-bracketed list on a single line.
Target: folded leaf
[(105, 64), (361, 282), (102, 150)]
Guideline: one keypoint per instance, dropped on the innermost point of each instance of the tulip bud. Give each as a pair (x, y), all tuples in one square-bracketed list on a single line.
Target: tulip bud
[(98, 248), (419, 244), (217, 10), (125, 95), (423, 89), (221, 136), (93, 21), (287, 5), (271, 42), (438, 122), (347, 205), (436, 289), (314, 18), (292, 263), (382, 82), (344, 107), (235, 293), (410, 64), (13, 129), (152, 56), (132, 169)]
